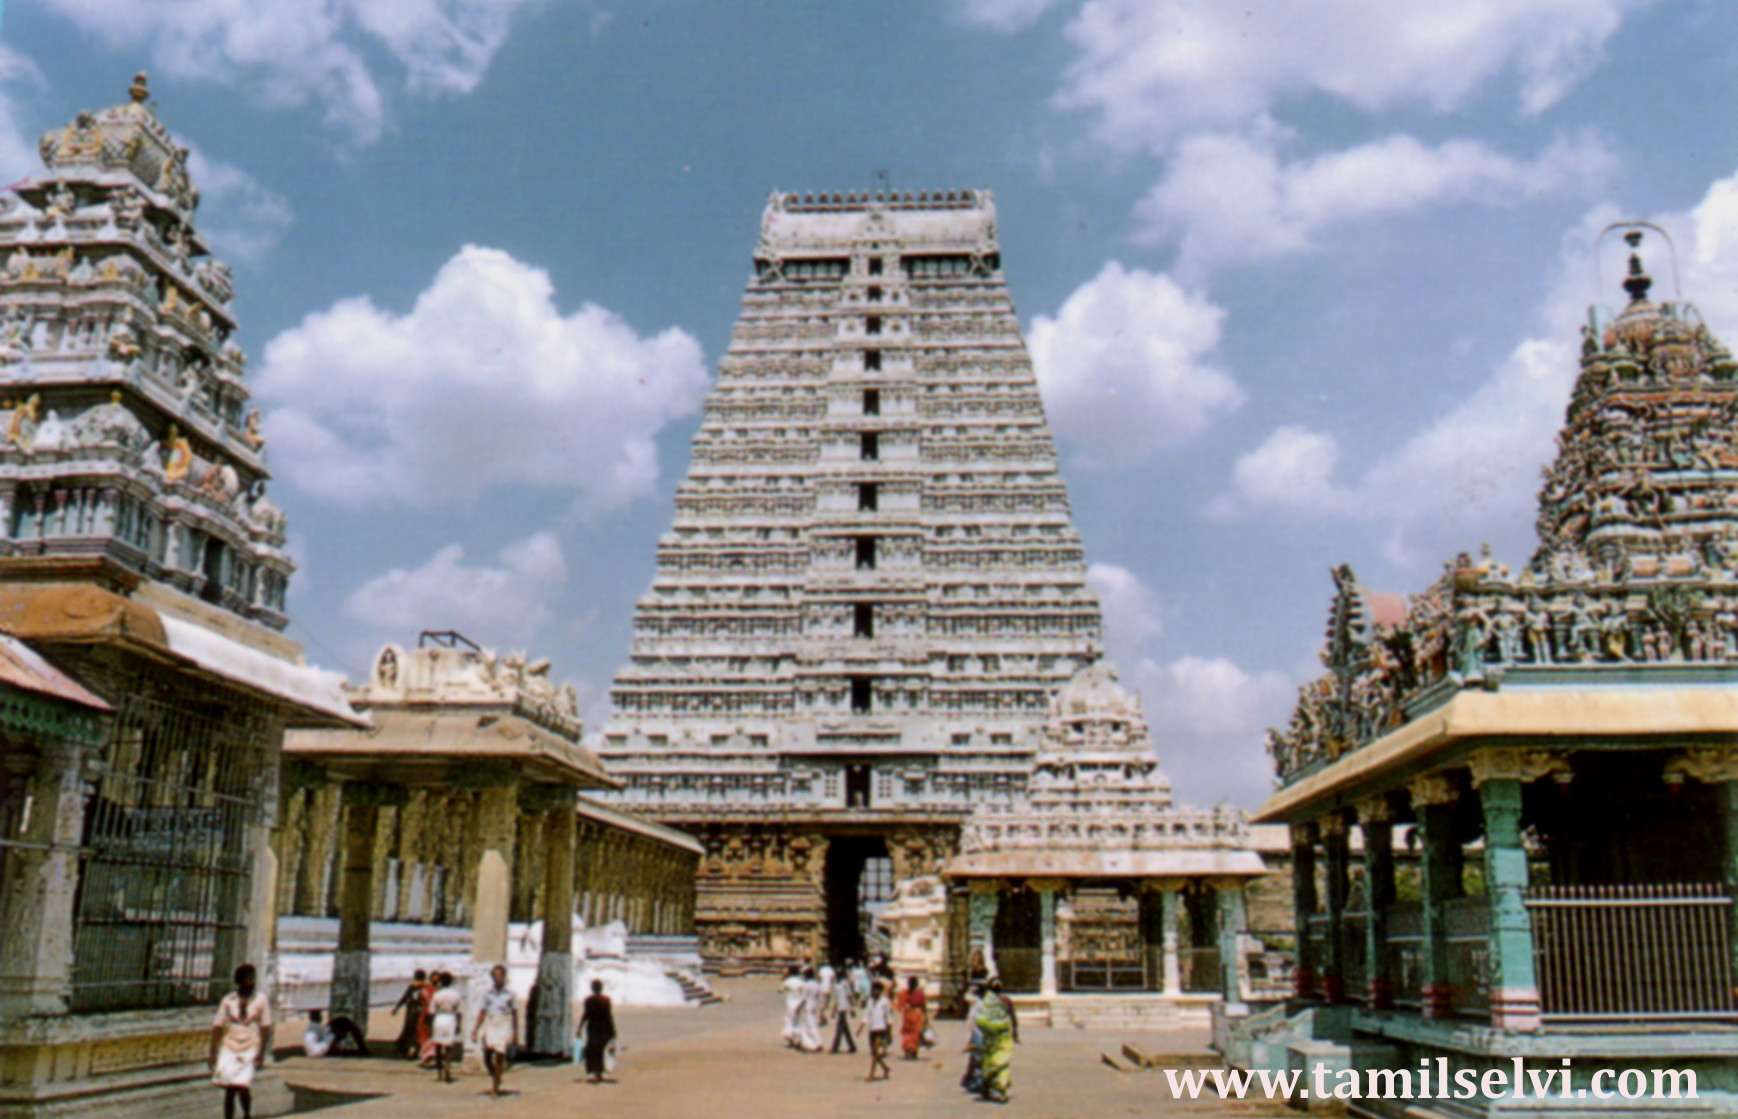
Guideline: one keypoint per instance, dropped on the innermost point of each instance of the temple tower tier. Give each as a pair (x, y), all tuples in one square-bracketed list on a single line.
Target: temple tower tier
[(871, 586)]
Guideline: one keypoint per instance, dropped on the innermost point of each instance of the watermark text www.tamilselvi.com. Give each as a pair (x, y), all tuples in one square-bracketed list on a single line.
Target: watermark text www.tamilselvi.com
[(1435, 1083)]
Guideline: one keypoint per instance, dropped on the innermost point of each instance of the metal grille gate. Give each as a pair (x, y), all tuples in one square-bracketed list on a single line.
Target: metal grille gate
[(165, 870)]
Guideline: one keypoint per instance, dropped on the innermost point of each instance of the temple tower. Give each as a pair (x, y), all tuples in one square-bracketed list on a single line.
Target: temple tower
[(872, 586)]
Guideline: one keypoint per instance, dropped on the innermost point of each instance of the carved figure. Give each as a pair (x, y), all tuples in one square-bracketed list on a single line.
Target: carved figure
[(21, 427), (178, 455)]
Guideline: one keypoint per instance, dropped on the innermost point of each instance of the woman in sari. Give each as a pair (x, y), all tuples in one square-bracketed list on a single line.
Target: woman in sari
[(972, 1083), (913, 1007), (994, 1023)]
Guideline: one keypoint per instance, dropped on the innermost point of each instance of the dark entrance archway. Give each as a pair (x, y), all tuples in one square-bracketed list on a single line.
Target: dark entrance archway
[(1018, 945), (859, 882)]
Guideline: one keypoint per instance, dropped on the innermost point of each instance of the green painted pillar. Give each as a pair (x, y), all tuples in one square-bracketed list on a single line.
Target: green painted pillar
[(1514, 994), (1303, 893), (1233, 923), (1336, 852), (1433, 806), (1378, 832)]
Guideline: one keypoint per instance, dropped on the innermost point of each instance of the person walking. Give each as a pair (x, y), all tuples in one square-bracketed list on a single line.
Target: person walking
[(448, 1009), (497, 1026), (999, 1031), (879, 1019), (791, 987), (411, 1030), (809, 1020), (973, 1080), (598, 1023), (241, 1035), (913, 1008), (843, 1007)]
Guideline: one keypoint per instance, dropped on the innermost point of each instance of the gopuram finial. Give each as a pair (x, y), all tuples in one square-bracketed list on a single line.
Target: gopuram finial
[(1638, 282), (141, 88)]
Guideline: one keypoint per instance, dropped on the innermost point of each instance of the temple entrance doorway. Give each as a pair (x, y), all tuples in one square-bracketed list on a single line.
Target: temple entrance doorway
[(859, 885), (1019, 945)]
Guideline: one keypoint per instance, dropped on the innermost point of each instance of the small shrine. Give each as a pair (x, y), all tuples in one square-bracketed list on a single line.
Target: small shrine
[(1563, 738), (1095, 881), (460, 813)]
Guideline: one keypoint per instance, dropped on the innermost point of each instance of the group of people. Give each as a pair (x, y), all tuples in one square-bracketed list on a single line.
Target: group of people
[(990, 1052), (866, 994), (432, 1008)]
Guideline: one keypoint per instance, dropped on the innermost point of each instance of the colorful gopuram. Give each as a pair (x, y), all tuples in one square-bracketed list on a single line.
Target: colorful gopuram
[(142, 580), (1564, 739)]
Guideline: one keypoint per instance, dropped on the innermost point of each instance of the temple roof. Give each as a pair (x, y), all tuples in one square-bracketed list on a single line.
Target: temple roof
[(127, 138)]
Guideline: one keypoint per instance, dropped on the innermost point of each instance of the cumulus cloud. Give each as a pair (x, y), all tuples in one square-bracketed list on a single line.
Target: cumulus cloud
[(239, 218), (1471, 472), (501, 604), (18, 154), (1209, 718), (1152, 70), (1228, 198), (297, 52), (483, 384), (1132, 614), (1126, 366)]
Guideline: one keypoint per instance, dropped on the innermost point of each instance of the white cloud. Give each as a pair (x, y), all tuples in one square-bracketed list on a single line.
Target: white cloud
[(1471, 473), (1132, 614), (1209, 719), (1157, 69), (1126, 366), (297, 52), (18, 154), (483, 385), (1004, 15), (1228, 198), (238, 217), (1293, 470), (501, 605)]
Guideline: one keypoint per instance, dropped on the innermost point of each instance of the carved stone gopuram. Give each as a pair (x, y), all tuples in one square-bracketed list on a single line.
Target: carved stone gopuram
[(871, 587)]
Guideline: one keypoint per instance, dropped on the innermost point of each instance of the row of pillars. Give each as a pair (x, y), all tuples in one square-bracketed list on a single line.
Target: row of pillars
[(495, 829), (1233, 924), (1514, 989)]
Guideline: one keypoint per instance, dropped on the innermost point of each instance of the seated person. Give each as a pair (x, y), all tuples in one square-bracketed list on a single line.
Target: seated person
[(337, 1038)]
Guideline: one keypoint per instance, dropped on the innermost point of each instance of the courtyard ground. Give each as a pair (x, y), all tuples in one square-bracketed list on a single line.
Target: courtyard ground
[(726, 1062)]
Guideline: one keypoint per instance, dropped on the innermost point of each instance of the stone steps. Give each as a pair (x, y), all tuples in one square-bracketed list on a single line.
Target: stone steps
[(694, 989)]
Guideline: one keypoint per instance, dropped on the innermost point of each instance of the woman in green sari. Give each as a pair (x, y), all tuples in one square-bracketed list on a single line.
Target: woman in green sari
[(997, 1030)]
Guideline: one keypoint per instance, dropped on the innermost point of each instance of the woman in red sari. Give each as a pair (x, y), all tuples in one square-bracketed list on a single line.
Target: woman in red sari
[(425, 1045), (913, 1008)]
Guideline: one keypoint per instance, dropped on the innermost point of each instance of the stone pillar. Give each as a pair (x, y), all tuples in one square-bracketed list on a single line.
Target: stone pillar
[(1170, 913), (319, 821), (1047, 985), (1514, 994), (1303, 905), (352, 973), (552, 1032), (1376, 822), (1718, 768), (496, 825), (1336, 855), (986, 898), (1233, 924), (1433, 799), (37, 949)]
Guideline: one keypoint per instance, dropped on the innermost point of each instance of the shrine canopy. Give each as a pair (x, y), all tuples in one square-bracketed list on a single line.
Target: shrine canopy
[(1098, 807), (454, 713)]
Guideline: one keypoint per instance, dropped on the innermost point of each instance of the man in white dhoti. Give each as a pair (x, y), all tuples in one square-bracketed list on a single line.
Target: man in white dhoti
[(497, 1026), (809, 1021), (791, 987), (240, 1037)]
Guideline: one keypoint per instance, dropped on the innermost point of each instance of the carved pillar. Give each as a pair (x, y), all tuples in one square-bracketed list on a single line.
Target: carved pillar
[(1233, 924), (552, 1032), (1433, 799), (494, 828), (1047, 936), (1498, 776), (36, 952), (1717, 766), (1335, 851), (1170, 914), (351, 969), (1377, 824), (321, 821), (1303, 893), (986, 896)]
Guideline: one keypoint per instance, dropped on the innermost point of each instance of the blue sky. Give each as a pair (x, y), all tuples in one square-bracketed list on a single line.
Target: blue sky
[(1302, 280)]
